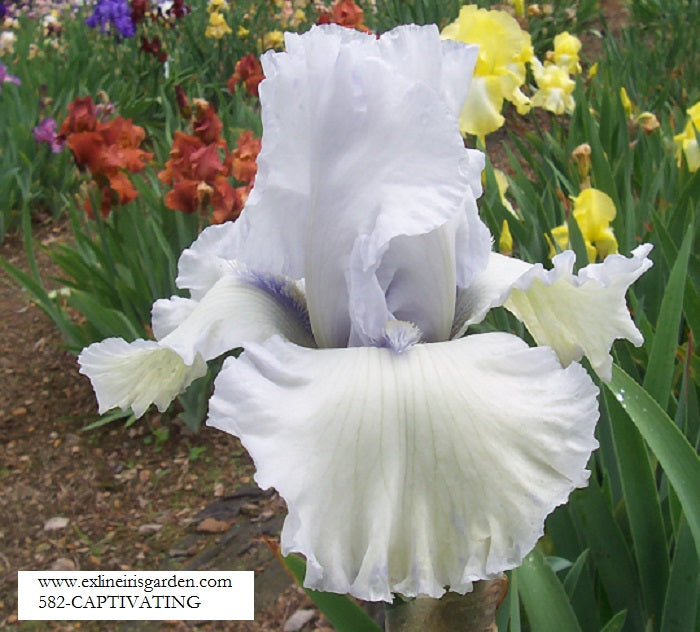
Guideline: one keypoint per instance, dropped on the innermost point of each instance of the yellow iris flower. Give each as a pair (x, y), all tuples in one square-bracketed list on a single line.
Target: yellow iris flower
[(593, 212), (555, 88), (504, 49), (566, 48), (686, 141), (273, 39), (217, 6), (217, 26)]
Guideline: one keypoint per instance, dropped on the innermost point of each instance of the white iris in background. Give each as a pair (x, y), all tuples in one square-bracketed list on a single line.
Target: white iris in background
[(412, 459)]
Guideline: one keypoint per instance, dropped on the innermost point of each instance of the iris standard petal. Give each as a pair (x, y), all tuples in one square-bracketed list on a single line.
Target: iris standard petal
[(580, 314), (276, 214), (418, 53), (392, 465), (337, 166), (240, 307), (137, 374), (380, 181)]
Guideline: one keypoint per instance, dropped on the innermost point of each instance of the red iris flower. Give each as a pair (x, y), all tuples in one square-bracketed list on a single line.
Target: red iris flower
[(201, 167), (345, 13), (248, 71), (109, 150)]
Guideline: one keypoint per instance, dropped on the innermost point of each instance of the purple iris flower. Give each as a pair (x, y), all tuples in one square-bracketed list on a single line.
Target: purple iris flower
[(6, 78), (3, 10), (112, 13), (45, 132)]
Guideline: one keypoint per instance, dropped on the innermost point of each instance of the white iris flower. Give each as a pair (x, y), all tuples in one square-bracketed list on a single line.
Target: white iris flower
[(412, 459)]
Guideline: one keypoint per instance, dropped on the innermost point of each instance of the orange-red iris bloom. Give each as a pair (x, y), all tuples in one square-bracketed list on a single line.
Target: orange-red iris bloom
[(249, 72), (109, 150), (345, 13), (244, 157), (200, 168)]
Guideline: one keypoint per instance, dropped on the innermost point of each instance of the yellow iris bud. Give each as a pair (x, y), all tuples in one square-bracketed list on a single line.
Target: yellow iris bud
[(648, 122), (505, 241), (626, 102), (582, 158), (519, 6)]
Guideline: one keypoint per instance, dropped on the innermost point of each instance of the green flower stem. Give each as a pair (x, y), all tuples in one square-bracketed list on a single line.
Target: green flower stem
[(473, 612)]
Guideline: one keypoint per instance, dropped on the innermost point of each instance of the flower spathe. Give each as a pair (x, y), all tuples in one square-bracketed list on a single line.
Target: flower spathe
[(409, 460)]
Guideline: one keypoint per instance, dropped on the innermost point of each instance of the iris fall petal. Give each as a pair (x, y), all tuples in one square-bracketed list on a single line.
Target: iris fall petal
[(392, 464), (137, 374), (580, 314), (481, 114), (238, 308)]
